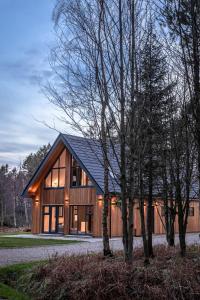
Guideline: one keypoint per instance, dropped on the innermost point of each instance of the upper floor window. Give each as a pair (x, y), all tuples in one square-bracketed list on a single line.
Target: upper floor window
[(56, 177), (78, 176), (191, 211)]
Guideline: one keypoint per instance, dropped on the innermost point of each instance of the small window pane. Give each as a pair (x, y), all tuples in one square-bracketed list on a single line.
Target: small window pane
[(62, 178), (48, 180), (191, 211), (60, 211), (73, 176), (73, 162), (46, 223), (89, 182), (55, 178), (56, 165), (46, 209), (62, 159), (83, 178)]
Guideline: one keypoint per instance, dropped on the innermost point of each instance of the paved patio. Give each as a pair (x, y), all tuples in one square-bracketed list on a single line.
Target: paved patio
[(17, 255)]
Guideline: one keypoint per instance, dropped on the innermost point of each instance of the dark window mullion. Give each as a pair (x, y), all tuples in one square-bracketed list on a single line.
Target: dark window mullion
[(50, 214)]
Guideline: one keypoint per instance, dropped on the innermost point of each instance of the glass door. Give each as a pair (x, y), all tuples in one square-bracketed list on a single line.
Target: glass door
[(81, 219), (53, 219)]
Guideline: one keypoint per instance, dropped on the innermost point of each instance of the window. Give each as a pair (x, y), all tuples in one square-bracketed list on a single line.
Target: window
[(191, 212), (81, 219), (78, 176), (56, 177)]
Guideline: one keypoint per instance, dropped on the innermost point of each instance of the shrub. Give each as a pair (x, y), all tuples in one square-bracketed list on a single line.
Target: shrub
[(91, 276)]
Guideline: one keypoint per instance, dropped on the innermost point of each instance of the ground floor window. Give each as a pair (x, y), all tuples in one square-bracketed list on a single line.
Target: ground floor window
[(53, 219), (81, 219)]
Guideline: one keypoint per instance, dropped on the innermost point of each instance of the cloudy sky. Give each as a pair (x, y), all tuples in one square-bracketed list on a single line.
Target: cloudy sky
[(26, 32)]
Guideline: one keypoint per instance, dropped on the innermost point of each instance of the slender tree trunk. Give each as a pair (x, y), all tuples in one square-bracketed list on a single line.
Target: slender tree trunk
[(181, 231), (142, 217), (104, 102), (180, 219), (130, 229), (150, 204), (122, 139), (166, 201), (172, 215), (106, 245), (131, 139)]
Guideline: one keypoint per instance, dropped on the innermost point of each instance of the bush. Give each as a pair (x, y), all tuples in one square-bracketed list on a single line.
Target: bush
[(91, 276)]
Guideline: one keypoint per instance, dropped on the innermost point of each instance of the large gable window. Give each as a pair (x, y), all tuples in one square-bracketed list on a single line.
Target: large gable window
[(78, 176), (56, 177)]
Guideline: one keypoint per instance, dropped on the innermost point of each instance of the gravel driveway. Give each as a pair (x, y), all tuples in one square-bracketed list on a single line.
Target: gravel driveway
[(17, 255)]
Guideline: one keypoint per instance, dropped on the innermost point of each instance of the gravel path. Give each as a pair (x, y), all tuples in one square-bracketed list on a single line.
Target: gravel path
[(17, 255)]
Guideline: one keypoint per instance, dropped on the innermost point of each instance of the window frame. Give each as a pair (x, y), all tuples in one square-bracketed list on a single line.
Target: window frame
[(79, 171), (51, 172), (191, 211)]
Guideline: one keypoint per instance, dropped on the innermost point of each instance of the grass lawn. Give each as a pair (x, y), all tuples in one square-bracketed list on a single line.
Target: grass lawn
[(8, 280), (15, 242), (11, 294), (15, 233)]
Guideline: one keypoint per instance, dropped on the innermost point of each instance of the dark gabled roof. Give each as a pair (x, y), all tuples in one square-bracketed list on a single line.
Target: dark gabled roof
[(88, 154)]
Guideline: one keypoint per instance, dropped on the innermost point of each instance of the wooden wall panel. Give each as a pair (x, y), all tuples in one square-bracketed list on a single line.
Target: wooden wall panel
[(53, 196), (116, 221), (82, 196), (137, 222), (36, 213), (194, 221), (97, 219)]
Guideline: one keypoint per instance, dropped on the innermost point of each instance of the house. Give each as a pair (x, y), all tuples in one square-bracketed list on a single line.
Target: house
[(67, 192)]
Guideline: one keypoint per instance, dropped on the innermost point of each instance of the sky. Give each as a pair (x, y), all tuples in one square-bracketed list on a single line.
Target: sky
[(26, 35)]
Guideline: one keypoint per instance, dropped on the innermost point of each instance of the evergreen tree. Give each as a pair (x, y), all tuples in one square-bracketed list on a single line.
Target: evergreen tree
[(154, 94), (33, 160)]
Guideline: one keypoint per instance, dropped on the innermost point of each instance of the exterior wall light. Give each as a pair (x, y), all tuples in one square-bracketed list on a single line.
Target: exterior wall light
[(66, 201), (113, 200), (100, 198)]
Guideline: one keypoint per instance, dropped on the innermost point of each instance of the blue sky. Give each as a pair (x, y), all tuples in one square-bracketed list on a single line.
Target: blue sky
[(27, 35)]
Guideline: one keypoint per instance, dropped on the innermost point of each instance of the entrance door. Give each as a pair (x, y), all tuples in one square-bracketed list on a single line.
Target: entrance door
[(53, 219), (81, 219)]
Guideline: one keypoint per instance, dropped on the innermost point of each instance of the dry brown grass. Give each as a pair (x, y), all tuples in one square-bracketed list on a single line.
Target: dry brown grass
[(92, 277)]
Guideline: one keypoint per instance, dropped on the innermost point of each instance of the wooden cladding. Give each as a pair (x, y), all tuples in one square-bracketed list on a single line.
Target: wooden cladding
[(53, 196), (77, 196), (116, 220), (35, 217), (82, 196)]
